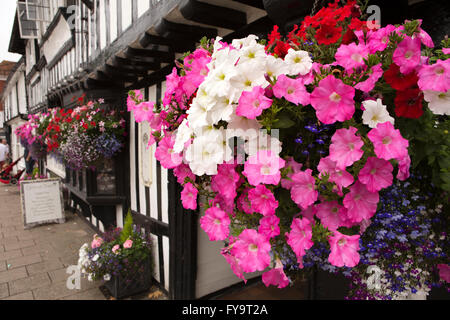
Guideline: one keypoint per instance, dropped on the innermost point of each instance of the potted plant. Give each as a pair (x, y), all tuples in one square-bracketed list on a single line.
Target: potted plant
[(121, 258)]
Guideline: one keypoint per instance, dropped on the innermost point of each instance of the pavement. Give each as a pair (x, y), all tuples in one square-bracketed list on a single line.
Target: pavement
[(33, 262)]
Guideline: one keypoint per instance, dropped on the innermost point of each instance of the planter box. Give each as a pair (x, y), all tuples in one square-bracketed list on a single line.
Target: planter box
[(119, 287)]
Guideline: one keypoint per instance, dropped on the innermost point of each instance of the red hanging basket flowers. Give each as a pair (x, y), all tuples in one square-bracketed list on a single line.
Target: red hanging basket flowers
[(328, 33), (399, 81), (408, 103)]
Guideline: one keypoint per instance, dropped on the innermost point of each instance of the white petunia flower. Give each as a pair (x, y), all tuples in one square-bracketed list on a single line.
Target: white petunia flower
[(244, 42), (217, 83), (107, 277), (204, 155), (438, 102), (252, 53), (184, 133), (375, 112), (197, 114), (248, 75), (275, 67), (95, 258), (298, 62), (222, 109)]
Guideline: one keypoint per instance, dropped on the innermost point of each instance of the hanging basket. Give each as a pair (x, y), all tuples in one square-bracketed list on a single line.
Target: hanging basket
[(121, 287)]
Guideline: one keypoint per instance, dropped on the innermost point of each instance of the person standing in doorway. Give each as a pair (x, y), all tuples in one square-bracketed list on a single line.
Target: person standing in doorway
[(4, 152), (29, 161)]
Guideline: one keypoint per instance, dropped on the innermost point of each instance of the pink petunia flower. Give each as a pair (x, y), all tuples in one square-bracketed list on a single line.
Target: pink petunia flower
[(252, 103), (97, 242), (435, 77), (407, 55), (128, 244), (403, 168), (292, 90), (164, 153), (444, 272), (330, 213), (234, 264), (345, 148), (376, 174), (374, 74), (115, 249), (309, 212), (262, 200), (269, 226), (295, 167), (379, 40), (252, 249), (299, 239), (264, 167), (388, 142), (197, 73), (361, 204), (333, 100), (303, 190), (341, 177), (224, 182), (143, 111), (189, 196), (216, 224), (275, 277), (351, 56), (344, 250), (182, 172), (243, 203)]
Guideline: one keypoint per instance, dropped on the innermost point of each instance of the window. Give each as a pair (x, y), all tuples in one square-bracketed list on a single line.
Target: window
[(28, 28)]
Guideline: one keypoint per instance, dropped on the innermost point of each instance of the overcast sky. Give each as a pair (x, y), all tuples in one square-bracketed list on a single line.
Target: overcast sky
[(7, 12)]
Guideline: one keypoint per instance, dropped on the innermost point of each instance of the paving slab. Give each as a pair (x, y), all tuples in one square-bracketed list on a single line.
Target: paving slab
[(14, 274), (23, 261), (22, 296), (4, 292), (29, 283)]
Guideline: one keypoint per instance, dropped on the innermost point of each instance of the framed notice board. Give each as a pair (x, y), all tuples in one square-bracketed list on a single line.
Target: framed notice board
[(42, 202)]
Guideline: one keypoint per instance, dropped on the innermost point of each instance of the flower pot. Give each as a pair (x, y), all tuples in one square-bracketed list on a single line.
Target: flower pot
[(121, 287)]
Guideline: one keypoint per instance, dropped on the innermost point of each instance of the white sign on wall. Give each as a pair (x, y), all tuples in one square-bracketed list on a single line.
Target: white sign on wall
[(145, 153), (41, 202)]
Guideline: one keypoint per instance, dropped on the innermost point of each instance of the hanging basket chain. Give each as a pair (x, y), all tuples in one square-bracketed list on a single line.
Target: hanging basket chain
[(314, 8)]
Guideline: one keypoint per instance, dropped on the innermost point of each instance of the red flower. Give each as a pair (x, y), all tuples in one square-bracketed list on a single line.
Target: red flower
[(274, 36), (408, 103), (93, 123), (281, 49), (399, 81), (328, 33), (85, 126)]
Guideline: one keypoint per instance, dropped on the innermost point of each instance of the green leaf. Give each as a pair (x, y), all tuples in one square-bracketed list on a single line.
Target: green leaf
[(284, 121)]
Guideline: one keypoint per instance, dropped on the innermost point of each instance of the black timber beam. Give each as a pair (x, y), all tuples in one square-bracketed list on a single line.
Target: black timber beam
[(129, 63), (183, 37), (261, 28), (114, 73), (125, 69), (149, 55), (152, 78), (149, 39), (104, 76), (253, 3), (213, 15), (91, 84)]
